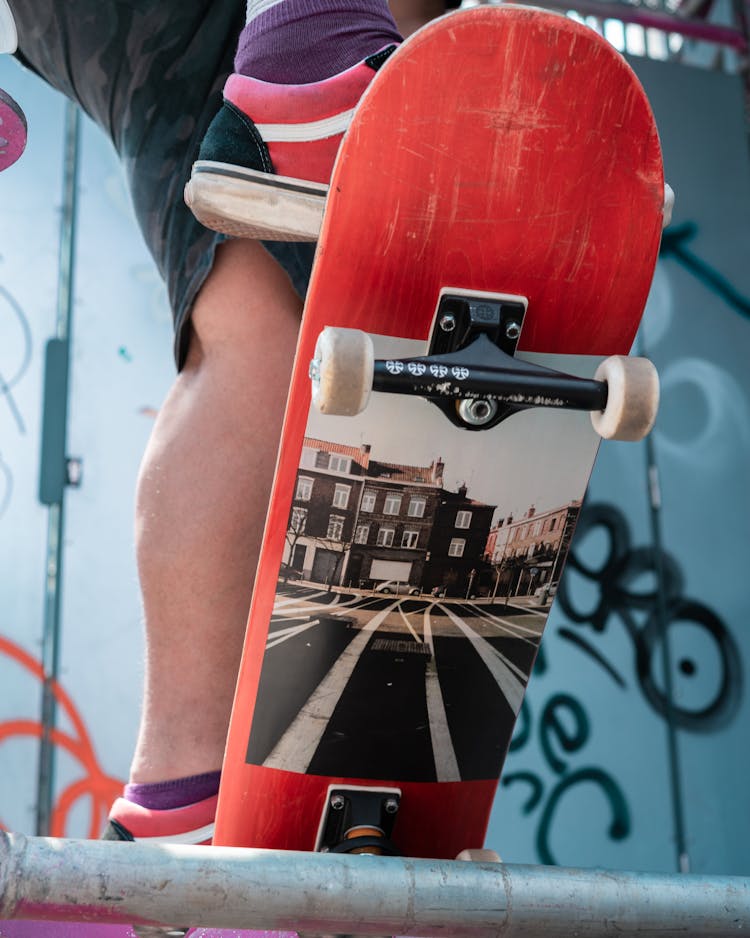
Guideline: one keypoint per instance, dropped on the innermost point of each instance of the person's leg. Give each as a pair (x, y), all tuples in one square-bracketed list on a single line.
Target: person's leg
[(201, 505), (410, 15)]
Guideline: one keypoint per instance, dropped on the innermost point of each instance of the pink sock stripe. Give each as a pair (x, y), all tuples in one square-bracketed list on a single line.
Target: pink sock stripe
[(267, 103)]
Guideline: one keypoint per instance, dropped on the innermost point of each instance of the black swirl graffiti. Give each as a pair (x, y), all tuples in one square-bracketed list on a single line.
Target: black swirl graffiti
[(674, 244), (624, 585), (619, 827), (563, 731), (617, 579)]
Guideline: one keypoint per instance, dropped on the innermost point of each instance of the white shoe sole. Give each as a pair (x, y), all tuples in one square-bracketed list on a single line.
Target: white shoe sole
[(245, 203)]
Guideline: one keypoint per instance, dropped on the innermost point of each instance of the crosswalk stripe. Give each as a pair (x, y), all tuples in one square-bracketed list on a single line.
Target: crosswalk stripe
[(444, 755), (295, 750), (500, 667)]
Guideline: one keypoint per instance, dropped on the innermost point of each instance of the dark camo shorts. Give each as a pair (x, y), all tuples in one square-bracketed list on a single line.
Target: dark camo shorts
[(150, 74)]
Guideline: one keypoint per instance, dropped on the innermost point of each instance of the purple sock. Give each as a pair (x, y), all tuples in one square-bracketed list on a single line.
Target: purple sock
[(303, 41), (175, 793)]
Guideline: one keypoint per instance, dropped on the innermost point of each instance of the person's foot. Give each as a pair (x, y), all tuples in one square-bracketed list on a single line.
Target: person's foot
[(265, 162), (189, 824), (12, 131), (176, 811)]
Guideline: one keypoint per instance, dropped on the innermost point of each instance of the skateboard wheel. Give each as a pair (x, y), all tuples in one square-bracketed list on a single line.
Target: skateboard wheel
[(668, 205), (479, 855), (341, 371), (12, 131), (632, 398)]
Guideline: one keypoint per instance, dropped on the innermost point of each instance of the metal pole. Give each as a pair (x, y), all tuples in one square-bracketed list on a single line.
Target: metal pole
[(661, 612), (53, 474), (667, 660), (335, 894), (649, 19)]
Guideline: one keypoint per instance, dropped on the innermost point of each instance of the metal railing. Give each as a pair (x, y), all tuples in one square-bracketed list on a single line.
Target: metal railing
[(342, 894)]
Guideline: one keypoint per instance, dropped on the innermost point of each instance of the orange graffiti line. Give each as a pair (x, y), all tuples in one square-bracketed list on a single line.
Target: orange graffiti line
[(102, 788), (35, 729), (96, 784), (22, 657), (102, 791)]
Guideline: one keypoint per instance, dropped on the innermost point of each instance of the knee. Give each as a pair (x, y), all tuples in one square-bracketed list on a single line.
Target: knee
[(247, 301)]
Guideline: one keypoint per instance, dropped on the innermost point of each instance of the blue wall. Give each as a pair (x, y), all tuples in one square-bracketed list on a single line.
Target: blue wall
[(595, 753)]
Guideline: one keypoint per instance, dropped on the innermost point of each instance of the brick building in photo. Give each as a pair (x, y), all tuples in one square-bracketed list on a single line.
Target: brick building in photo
[(458, 545), (357, 521), (528, 553)]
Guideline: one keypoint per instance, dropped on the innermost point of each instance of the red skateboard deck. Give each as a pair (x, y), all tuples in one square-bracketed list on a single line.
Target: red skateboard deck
[(501, 151)]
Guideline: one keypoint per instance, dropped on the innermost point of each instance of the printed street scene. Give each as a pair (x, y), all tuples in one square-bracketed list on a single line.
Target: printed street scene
[(415, 587)]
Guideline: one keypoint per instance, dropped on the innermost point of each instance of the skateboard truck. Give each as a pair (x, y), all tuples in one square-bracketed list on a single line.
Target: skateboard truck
[(462, 317), (470, 372), (479, 385), (472, 376), (359, 820)]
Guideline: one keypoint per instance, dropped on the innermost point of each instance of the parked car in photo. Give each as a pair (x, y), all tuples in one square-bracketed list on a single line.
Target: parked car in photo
[(397, 587), (545, 594)]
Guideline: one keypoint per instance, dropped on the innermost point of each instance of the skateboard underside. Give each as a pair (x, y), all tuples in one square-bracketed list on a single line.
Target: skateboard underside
[(408, 566), (393, 600), (501, 151)]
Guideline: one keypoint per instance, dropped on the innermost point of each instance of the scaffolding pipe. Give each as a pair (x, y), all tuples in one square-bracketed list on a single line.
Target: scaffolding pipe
[(53, 472), (335, 894), (651, 19)]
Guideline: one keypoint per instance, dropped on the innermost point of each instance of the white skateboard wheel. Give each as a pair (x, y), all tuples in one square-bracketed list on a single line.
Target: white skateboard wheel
[(341, 371), (668, 205), (632, 398), (479, 855)]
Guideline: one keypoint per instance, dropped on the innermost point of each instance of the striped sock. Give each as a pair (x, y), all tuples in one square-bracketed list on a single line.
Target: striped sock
[(174, 793), (291, 42)]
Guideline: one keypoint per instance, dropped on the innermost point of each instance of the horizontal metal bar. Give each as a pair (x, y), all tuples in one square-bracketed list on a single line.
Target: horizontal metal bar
[(135, 883), (650, 19)]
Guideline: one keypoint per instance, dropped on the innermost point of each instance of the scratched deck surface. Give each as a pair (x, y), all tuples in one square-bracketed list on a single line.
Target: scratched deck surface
[(504, 150)]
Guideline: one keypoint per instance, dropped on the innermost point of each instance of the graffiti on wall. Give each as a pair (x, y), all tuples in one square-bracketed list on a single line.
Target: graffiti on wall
[(624, 590), (92, 784), (674, 245)]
